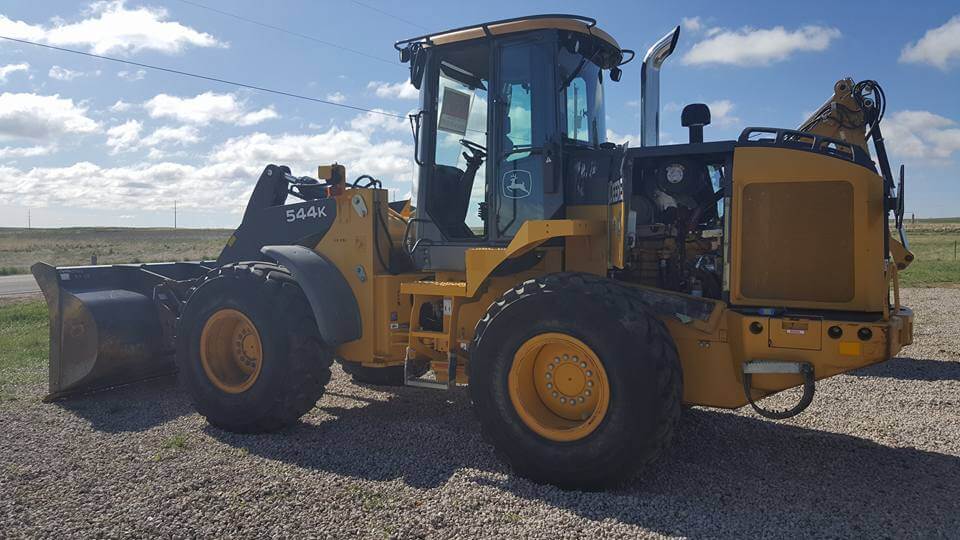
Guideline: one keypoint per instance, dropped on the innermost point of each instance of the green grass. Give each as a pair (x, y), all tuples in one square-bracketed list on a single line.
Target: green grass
[(23, 346), (177, 442), (932, 243), (169, 448)]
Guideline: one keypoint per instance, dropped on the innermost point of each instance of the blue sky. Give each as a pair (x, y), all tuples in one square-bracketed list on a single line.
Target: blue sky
[(89, 142)]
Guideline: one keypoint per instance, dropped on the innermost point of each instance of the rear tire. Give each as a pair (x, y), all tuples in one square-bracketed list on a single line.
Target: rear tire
[(627, 352), (292, 366)]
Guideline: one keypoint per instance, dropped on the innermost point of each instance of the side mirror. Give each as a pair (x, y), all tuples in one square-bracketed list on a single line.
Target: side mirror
[(615, 74)]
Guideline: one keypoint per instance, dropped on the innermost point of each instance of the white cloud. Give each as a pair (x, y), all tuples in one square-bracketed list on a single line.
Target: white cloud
[(207, 107), (400, 90), (692, 24), (921, 134), (228, 172), (938, 47), (112, 28), (124, 137), (378, 120), (137, 75), (721, 113), (621, 138), (39, 117), (336, 97), (182, 135), (7, 152), (751, 46), (120, 106), (63, 74), (255, 117), (6, 70)]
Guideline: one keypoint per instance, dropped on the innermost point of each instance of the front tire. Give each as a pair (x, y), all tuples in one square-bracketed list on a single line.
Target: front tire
[(249, 351), (574, 381)]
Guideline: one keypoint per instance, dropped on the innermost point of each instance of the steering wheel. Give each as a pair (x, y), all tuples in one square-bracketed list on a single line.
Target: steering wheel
[(479, 152)]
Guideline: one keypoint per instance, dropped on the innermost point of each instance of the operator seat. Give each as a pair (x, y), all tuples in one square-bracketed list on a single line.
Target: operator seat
[(450, 197)]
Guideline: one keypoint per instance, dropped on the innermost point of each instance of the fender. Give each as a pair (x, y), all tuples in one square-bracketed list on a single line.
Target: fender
[(334, 306)]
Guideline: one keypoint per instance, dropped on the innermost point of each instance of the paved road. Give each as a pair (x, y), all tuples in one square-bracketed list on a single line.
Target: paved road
[(18, 285)]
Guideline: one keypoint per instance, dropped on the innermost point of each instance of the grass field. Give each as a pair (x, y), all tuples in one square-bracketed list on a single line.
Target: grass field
[(20, 248), (933, 242), (23, 357)]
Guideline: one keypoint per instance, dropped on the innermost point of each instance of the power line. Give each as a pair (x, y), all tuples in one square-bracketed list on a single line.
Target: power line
[(205, 77), (291, 32), (391, 15)]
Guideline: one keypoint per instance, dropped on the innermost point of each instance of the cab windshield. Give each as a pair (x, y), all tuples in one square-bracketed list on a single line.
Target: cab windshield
[(581, 88)]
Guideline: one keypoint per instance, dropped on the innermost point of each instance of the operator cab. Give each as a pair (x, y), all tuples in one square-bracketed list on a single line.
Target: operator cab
[(500, 105)]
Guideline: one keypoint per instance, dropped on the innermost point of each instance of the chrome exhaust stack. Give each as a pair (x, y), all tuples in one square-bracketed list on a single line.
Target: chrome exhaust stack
[(650, 87)]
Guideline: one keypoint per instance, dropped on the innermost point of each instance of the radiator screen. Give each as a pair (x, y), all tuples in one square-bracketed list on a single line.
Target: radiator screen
[(797, 241)]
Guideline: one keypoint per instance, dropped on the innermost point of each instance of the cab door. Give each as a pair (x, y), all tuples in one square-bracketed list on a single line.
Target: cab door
[(523, 183)]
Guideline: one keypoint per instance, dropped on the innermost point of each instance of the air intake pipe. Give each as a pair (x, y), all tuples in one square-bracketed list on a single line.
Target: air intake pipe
[(650, 87)]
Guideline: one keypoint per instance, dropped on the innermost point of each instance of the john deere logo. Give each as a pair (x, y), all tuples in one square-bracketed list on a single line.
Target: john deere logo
[(517, 184)]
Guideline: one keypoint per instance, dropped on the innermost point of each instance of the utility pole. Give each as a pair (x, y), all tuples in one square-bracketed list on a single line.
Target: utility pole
[(28, 219), (174, 213)]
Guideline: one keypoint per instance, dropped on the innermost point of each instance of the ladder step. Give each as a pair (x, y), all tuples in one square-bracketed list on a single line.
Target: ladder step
[(427, 334), (417, 382), (435, 288)]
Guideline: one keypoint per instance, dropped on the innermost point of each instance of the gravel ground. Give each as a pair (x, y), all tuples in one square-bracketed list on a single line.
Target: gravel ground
[(876, 455)]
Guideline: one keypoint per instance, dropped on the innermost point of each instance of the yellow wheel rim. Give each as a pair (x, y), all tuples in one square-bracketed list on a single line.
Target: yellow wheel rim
[(231, 351), (558, 386)]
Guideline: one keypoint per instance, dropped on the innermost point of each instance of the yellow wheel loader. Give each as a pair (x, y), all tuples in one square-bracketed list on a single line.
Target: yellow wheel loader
[(584, 291)]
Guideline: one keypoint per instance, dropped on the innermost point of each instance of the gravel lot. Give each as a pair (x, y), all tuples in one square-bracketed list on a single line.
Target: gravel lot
[(878, 454)]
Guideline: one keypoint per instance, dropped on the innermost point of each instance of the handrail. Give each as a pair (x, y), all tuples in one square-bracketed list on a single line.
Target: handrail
[(802, 140)]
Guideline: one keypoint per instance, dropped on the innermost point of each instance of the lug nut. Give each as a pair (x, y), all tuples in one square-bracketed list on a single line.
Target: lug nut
[(586, 392), (563, 400), (554, 394), (583, 365), (549, 375), (589, 373), (581, 399), (589, 383), (575, 359), (566, 357), (549, 385), (556, 359)]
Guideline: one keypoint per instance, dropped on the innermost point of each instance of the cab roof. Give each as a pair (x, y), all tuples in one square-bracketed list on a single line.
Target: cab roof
[(573, 23)]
